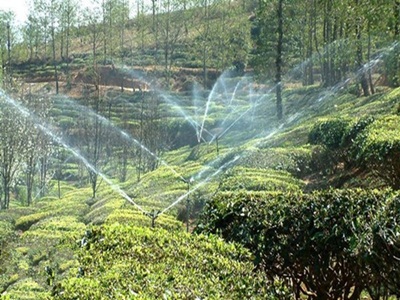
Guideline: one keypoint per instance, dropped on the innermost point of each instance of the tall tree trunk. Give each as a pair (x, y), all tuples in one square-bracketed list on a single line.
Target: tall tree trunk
[(3, 64), (309, 75), (359, 56), (167, 43), (43, 175), (54, 57), (141, 135), (9, 70), (397, 19), (371, 83), (327, 38), (110, 30), (278, 62), (62, 41), (104, 32)]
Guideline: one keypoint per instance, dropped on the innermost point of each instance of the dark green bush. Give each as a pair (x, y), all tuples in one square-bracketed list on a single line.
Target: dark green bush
[(392, 61), (325, 242), (356, 128), (336, 139), (384, 257), (328, 133), (378, 149)]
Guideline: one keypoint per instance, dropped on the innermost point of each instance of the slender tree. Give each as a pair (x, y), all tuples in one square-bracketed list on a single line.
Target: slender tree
[(6, 37), (279, 61), (12, 148)]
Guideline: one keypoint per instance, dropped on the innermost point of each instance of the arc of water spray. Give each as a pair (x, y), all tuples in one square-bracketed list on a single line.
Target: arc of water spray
[(126, 136), (46, 130), (235, 90), (187, 117), (44, 186), (220, 169), (205, 114), (257, 103), (47, 181), (229, 104), (199, 185)]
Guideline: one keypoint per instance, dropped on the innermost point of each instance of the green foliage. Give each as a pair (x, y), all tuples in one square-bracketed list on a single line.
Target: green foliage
[(336, 139), (329, 133), (354, 129), (119, 261), (101, 209), (25, 222), (378, 149), (135, 218), (323, 239), (295, 160), (26, 289), (7, 237), (251, 179), (6, 230), (392, 62)]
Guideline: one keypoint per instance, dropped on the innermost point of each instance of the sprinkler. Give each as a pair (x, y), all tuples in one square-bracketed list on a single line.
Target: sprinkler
[(216, 140), (188, 182), (153, 215)]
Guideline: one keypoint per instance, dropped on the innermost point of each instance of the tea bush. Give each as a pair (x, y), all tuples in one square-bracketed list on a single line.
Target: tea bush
[(326, 242), (120, 262), (378, 149), (251, 179)]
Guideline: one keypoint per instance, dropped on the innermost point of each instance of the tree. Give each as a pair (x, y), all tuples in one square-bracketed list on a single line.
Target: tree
[(31, 33), (11, 148), (40, 14), (6, 36), (37, 145), (279, 62), (171, 27), (359, 53), (268, 34), (67, 21), (53, 8)]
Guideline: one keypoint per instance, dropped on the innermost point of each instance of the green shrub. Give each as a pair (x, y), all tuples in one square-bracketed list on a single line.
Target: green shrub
[(25, 222), (6, 230), (295, 160), (250, 179), (59, 224), (27, 289), (378, 149), (329, 133), (119, 261), (101, 209), (324, 240), (137, 218), (383, 258), (336, 140), (355, 128)]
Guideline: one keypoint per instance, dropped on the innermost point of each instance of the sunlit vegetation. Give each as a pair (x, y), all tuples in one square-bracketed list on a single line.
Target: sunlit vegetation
[(124, 261)]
